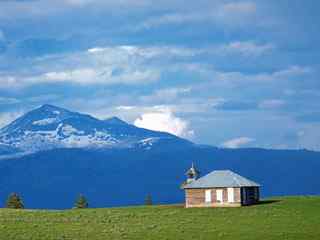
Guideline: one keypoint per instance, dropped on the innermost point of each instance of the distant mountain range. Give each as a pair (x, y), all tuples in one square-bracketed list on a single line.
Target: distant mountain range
[(50, 155), (51, 127)]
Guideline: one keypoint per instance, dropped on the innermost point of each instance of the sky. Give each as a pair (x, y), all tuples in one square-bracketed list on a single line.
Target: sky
[(227, 73)]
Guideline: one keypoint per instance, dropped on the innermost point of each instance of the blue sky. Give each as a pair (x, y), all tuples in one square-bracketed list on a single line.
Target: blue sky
[(225, 73)]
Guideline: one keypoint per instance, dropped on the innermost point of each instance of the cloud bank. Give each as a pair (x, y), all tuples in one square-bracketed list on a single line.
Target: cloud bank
[(165, 121)]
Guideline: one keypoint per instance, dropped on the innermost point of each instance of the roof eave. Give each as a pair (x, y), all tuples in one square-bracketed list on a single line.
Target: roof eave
[(206, 187)]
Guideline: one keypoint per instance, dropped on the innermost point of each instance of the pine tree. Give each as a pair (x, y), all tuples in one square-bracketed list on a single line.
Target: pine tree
[(14, 201), (148, 200), (81, 202)]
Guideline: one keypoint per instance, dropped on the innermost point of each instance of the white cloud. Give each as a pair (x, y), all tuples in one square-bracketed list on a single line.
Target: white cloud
[(106, 3), (238, 78), (237, 142), (77, 75), (272, 104), (308, 137), (147, 52), (105, 66), (45, 98), (100, 76), (125, 107), (141, 65), (176, 18), (79, 3), (2, 36), (234, 13), (165, 121), (184, 106), (237, 12), (172, 92), (166, 95), (247, 48), (5, 100), (9, 82), (19, 9), (293, 71), (8, 117)]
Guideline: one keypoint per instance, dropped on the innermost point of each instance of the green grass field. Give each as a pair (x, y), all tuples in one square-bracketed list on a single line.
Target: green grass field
[(287, 218)]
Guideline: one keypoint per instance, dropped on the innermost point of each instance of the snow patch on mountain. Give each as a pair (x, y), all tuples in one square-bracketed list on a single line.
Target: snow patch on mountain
[(99, 139), (42, 140), (148, 141), (44, 122), (68, 130), (78, 141)]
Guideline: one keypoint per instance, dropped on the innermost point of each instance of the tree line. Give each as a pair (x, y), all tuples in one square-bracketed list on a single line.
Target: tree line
[(14, 201)]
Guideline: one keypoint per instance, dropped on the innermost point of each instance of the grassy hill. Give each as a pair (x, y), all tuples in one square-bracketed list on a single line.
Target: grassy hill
[(283, 218)]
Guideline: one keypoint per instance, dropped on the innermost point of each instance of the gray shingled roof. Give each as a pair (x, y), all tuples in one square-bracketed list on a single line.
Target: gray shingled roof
[(221, 178)]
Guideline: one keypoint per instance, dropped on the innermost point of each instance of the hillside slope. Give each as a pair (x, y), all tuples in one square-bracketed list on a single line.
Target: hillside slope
[(119, 177), (284, 218)]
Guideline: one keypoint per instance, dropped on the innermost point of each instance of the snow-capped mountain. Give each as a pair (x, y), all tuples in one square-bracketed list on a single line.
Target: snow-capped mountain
[(50, 127)]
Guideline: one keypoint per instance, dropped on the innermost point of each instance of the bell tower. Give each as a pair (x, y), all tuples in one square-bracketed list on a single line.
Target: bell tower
[(192, 174)]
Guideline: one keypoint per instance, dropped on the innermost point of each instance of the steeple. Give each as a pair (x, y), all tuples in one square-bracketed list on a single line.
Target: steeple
[(192, 174)]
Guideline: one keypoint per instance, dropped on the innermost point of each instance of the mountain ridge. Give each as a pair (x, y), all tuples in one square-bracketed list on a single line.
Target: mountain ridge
[(49, 127), (118, 177)]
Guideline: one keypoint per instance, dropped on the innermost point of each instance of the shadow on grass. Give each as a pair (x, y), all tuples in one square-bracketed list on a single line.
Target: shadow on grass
[(261, 202)]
